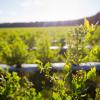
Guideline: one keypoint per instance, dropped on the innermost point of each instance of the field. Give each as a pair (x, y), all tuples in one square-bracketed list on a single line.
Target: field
[(34, 45), (56, 33), (33, 37)]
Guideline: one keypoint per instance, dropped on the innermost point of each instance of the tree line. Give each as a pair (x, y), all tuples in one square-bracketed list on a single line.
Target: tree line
[(92, 19)]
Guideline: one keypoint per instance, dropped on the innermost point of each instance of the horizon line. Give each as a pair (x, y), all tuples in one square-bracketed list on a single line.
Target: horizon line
[(51, 20)]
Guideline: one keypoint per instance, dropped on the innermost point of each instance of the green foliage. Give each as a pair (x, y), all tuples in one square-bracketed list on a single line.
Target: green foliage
[(12, 87), (43, 52), (16, 48), (97, 93), (14, 53), (43, 68), (80, 38), (93, 54), (43, 77), (32, 37), (29, 39), (80, 86)]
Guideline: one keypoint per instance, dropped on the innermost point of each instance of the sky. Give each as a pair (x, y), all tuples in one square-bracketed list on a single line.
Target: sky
[(46, 10)]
